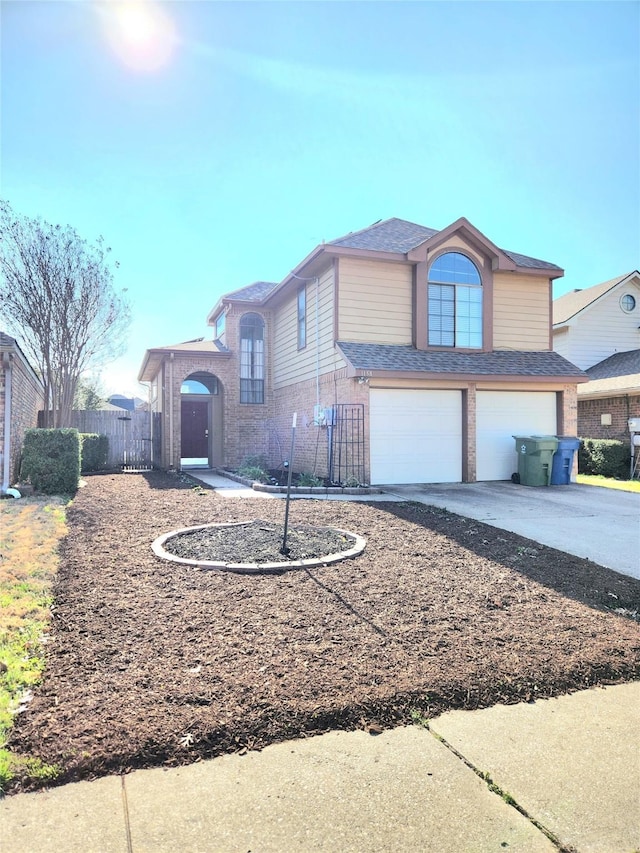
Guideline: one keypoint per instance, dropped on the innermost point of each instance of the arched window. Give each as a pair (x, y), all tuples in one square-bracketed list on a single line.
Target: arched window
[(251, 359), (200, 383), (455, 302)]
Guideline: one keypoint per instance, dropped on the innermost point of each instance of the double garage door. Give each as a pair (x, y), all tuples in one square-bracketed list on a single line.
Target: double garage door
[(416, 436)]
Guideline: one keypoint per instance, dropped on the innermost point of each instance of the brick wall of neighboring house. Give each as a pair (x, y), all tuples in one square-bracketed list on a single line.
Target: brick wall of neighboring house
[(26, 400), (620, 408)]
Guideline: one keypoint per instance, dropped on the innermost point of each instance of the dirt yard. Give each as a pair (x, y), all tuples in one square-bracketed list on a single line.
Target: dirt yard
[(153, 663)]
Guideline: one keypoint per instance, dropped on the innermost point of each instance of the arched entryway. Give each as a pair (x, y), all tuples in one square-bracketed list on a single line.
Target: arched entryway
[(200, 421)]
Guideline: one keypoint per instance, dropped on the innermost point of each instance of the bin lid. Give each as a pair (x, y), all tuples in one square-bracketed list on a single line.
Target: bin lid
[(534, 443), (568, 442)]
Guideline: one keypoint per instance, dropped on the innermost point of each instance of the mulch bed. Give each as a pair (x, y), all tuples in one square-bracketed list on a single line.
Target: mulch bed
[(259, 542), (155, 663)]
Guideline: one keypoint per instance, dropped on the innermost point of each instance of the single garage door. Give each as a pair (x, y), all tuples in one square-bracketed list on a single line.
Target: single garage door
[(415, 436), (502, 414)]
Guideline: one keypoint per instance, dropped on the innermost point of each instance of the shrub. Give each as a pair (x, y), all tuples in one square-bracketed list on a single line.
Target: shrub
[(606, 457), (257, 461), (254, 468), (94, 451), (51, 460), (253, 472), (309, 480)]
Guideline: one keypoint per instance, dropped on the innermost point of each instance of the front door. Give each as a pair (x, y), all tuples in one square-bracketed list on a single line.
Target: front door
[(195, 431)]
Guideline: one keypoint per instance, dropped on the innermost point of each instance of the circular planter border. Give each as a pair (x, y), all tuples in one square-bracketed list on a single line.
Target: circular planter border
[(158, 549)]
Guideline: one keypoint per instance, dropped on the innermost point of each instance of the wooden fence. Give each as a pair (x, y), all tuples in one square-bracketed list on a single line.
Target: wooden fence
[(129, 434)]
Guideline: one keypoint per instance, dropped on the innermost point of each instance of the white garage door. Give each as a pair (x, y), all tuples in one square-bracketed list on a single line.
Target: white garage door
[(502, 414), (415, 436)]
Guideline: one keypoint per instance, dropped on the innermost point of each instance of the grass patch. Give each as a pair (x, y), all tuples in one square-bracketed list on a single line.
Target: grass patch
[(31, 529), (608, 482)]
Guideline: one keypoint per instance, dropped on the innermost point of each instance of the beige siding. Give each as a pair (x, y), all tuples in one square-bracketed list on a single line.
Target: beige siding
[(291, 365), (520, 312), (375, 302)]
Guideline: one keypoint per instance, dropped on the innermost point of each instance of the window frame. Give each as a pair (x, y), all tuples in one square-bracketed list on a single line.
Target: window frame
[(633, 300), (252, 359), (454, 290), (301, 316), (219, 326)]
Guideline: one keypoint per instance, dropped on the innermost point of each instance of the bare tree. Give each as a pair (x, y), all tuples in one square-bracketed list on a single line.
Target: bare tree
[(57, 296)]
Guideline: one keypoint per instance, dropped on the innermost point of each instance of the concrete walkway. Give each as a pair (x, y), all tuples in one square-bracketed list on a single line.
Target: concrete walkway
[(563, 772)]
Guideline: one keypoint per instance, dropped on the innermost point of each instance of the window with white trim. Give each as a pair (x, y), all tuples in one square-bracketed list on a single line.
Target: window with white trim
[(251, 359), (455, 302)]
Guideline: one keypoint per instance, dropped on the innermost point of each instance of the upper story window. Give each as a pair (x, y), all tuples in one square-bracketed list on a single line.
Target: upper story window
[(455, 302), (627, 302), (219, 326), (251, 359), (302, 317)]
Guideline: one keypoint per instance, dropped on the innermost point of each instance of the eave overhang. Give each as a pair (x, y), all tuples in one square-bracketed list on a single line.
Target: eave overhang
[(154, 358)]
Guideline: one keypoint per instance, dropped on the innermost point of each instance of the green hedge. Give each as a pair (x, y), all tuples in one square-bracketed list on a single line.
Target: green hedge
[(94, 451), (607, 457), (51, 460)]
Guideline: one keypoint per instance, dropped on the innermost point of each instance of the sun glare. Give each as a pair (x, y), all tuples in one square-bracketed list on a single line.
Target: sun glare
[(140, 32)]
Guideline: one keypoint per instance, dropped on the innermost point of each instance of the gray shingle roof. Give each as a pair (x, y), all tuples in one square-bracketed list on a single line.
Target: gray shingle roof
[(499, 363), (255, 292), (618, 364), (391, 235), (399, 235), (6, 340)]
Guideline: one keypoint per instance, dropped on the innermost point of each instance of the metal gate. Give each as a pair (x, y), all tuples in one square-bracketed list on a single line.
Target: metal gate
[(346, 463)]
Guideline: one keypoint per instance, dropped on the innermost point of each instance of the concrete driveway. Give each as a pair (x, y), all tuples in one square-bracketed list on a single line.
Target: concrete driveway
[(600, 524)]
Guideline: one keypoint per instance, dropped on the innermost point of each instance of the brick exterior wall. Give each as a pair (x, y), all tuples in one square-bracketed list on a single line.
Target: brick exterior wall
[(246, 426), (26, 400), (312, 442), (620, 408)]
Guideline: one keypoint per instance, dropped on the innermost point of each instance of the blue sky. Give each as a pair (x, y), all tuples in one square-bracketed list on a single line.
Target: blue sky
[(222, 143)]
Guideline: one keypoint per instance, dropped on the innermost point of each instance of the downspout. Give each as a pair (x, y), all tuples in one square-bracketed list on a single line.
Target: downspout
[(171, 453), (6, 450), (318, 343)]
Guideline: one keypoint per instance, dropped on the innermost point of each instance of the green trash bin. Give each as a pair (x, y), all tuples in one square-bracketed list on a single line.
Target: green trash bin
[(535, 458)]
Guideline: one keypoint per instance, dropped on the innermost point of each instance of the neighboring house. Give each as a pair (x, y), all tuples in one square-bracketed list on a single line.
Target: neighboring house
[(408, 355), (131, 404), (598, 328), (21, 397)]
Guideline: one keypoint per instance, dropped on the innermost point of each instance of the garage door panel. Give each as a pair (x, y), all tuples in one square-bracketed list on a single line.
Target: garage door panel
[(502, 414), (415, 436)]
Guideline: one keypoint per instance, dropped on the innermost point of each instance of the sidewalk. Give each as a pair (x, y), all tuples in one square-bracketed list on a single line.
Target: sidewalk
[(571, 764)]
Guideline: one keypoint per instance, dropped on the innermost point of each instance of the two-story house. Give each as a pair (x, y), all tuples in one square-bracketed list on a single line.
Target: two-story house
[(408, 355), (598, 328)]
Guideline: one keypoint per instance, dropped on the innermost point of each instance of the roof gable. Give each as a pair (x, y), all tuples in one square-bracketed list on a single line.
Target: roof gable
[(400, 236), (566, 307), (388, 237)]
